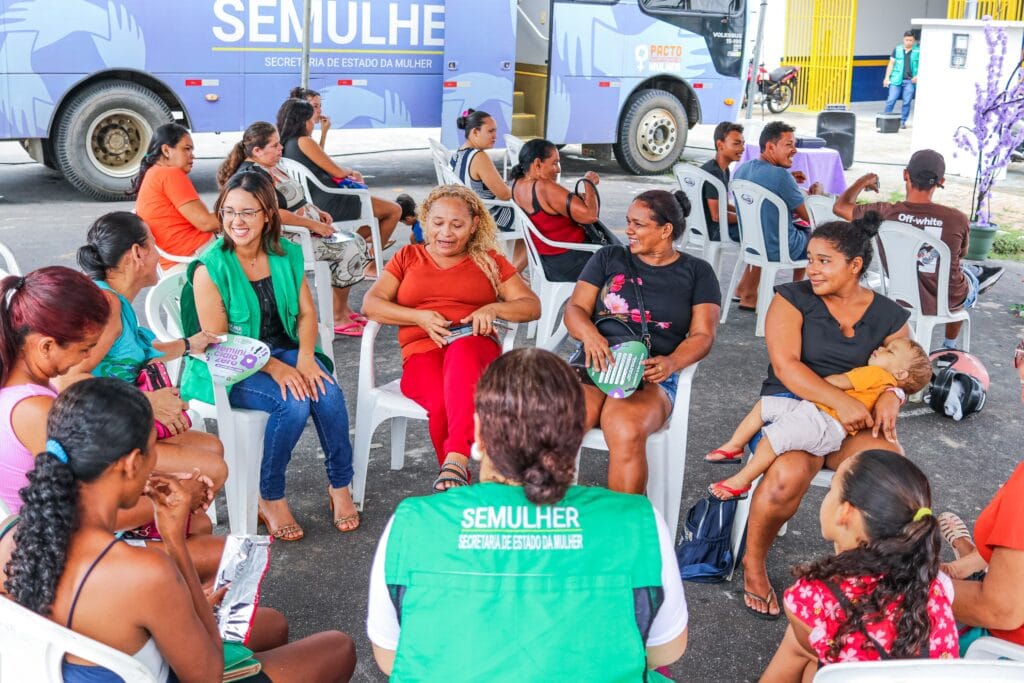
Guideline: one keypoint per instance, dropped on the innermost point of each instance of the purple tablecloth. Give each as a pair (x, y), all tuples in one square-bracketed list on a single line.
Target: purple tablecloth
[(821, 165)]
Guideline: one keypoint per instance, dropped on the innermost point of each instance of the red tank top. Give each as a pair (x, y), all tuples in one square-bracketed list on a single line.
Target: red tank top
[(555, 227)]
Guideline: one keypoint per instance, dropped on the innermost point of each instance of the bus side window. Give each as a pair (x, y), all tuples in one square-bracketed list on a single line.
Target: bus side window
[(718, 7)]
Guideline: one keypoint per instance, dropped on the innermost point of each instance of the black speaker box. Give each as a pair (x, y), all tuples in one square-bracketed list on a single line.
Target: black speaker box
[(839, 130)]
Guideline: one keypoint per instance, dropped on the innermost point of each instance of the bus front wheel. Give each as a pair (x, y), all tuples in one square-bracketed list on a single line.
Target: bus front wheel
[(652, 132), (103, 135)]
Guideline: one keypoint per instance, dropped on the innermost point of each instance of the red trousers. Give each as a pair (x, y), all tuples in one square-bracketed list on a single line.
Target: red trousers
[(443, 381)]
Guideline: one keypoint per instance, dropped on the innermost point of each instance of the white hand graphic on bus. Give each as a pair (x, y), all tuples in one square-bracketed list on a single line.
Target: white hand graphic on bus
[(29, 26)]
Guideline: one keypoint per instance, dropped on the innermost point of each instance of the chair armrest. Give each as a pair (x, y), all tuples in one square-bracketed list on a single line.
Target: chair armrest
[(305, 241), (508, 342), (367, 368)]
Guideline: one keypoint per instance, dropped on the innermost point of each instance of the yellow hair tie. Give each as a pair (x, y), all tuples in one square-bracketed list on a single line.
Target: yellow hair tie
[(922, 513)]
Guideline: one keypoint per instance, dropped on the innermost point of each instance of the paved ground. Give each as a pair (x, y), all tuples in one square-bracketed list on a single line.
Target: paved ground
[(321, 582)]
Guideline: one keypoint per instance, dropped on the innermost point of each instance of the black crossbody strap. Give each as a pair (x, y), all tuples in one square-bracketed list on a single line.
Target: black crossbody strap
[(645, 333)]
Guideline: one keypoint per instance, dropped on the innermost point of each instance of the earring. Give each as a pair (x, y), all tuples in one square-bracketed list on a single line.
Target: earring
[(476, 453)]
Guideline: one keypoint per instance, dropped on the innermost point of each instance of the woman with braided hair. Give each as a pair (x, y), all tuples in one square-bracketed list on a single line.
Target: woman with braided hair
[(881, 596), (62, 558)]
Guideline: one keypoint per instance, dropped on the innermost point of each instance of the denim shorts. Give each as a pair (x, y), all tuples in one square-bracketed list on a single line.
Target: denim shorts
[(669, 386), (972, 288)]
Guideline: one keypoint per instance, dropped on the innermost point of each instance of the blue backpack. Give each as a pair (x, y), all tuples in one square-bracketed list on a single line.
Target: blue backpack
[(705, 550)]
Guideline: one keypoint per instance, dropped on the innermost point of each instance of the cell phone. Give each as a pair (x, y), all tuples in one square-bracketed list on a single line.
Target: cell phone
[(458, 332)]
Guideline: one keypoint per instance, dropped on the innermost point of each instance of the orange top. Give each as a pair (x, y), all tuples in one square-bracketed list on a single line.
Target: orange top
[(1001, 525), (868, 384), (453, 292), (164, 189)]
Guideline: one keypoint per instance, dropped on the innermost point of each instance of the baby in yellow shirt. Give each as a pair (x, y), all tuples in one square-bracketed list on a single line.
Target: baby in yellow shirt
[(797, 425)]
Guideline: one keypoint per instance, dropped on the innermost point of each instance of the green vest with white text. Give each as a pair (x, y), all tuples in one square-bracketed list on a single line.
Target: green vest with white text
[(490, 587)]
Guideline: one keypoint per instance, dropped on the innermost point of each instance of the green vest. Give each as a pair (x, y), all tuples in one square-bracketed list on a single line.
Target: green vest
[(242, 305), (896, 77), (490, 587)]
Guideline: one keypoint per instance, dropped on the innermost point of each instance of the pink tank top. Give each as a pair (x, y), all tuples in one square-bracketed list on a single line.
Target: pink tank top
[(15, 459)]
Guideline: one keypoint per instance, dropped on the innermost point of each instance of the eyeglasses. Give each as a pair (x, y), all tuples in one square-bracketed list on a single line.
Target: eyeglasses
[(245, 214)]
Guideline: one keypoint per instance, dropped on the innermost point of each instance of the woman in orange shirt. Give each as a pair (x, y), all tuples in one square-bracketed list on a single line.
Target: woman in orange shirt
[(167, 200), (457, 278)]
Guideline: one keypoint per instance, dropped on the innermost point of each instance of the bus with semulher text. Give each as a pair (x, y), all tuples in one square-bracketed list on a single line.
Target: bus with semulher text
[(83, 83)]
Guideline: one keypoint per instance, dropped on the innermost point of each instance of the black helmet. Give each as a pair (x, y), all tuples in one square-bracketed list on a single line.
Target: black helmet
[(955, 394)]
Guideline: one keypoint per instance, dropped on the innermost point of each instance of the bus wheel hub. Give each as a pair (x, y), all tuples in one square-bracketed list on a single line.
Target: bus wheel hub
[(656, 134)]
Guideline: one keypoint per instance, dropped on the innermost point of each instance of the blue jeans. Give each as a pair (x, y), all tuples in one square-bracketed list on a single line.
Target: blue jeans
[(287, 420), (904, 91)]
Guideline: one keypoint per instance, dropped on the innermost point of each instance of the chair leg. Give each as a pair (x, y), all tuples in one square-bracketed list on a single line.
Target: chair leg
[(713, 255), (739, 526), (966, 332), (734, 282), (925, 330), (398, 427), (764, 295), (361, 451), (243, 492), (548, 317)]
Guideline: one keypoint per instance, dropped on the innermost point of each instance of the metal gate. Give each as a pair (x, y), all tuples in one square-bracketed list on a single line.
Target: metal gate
[(1008, 10), (819, 39)]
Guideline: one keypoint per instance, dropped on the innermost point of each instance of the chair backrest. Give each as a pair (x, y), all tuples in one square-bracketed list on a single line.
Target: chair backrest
[(163, 312), (819, 208), (10, 266), (442, 163), (299, 173), (748, 198), (990, 647), (904, 250), (512, 147), (691, 181), (921, 671), (32, 648)]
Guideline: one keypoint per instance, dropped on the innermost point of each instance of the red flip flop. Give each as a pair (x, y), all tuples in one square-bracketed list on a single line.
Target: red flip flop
[(734, 494), (359, 319), (350, 330), (728, 457)]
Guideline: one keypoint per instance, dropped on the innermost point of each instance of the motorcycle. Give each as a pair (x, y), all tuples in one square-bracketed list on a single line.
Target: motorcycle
[(775, 88)]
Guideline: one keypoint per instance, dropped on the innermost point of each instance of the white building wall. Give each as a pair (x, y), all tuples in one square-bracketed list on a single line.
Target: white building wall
[(881, 23)]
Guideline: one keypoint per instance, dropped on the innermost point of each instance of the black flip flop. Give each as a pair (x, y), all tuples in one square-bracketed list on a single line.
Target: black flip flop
[(747, 308), (767, 600)]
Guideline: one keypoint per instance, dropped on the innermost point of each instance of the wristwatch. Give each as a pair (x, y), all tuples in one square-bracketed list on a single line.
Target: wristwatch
[(188, 346)]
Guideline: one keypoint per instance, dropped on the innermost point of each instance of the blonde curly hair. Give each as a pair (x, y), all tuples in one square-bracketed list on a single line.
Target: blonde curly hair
[(481, 242)]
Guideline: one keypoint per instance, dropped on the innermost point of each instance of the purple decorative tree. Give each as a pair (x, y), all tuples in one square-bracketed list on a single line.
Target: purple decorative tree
[(998, 109)]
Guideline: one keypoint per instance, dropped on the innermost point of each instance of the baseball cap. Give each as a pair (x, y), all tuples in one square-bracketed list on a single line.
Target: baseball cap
[(927, 167)]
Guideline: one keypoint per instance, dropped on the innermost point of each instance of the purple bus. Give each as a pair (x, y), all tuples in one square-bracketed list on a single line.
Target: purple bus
[(83, 83)]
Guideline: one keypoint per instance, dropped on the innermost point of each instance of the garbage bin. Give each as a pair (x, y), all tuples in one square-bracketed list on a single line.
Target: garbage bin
[(839, 131)]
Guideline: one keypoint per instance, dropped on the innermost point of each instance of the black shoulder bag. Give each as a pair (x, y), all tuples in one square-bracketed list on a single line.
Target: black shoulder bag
[(616, 330), (596, 232)]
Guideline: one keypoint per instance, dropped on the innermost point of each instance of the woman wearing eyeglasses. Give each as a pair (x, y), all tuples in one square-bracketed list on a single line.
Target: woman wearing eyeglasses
[(251, 282)]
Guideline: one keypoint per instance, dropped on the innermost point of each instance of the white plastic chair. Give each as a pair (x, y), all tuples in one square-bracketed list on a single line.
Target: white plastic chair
[(691, 181), (819, 209), (442, 158), (512, 147), (241, 431), (377, 403), (180, 261), (32, 648), (4, 511), (921, 671), (666, 454), (823, 479), (552, 294), (10, 263), (748, 198), (990, 647), (901, 244), (307, 180)]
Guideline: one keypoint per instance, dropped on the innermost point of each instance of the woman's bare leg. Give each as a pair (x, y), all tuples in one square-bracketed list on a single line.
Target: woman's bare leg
[(182, 452), (327, 657), (790, 663), (269, 630), (626, 424), (342, 311), (775, 500), (387, 213)]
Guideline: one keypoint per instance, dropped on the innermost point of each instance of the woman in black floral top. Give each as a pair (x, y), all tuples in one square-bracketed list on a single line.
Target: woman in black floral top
[(682, 301)]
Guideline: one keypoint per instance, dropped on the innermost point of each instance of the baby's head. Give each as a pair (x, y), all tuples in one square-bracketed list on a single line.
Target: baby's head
[(408, 205), (905, 360)]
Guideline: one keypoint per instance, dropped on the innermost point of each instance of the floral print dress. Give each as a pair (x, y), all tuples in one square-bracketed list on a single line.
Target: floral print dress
[(813, 604)]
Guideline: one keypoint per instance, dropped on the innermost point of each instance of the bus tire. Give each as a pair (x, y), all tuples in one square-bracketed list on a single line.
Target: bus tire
[(652, 132), (103, 134)]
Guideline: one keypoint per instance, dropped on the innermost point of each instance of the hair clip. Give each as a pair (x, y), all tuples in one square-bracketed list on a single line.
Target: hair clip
[(922, 513)]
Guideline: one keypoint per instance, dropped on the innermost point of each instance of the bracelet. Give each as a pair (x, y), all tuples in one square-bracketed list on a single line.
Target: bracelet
[(188, 346), (900, 394)]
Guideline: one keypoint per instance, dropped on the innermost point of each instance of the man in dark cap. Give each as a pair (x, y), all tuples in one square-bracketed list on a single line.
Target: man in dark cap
[(922, 176)]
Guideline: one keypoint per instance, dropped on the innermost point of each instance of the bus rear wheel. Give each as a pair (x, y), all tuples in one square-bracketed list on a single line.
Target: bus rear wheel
[(103, 135), (652, 132)]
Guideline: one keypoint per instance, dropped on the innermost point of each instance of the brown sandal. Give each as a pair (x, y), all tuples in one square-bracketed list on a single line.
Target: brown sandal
[(341, 523), (287, 533)]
